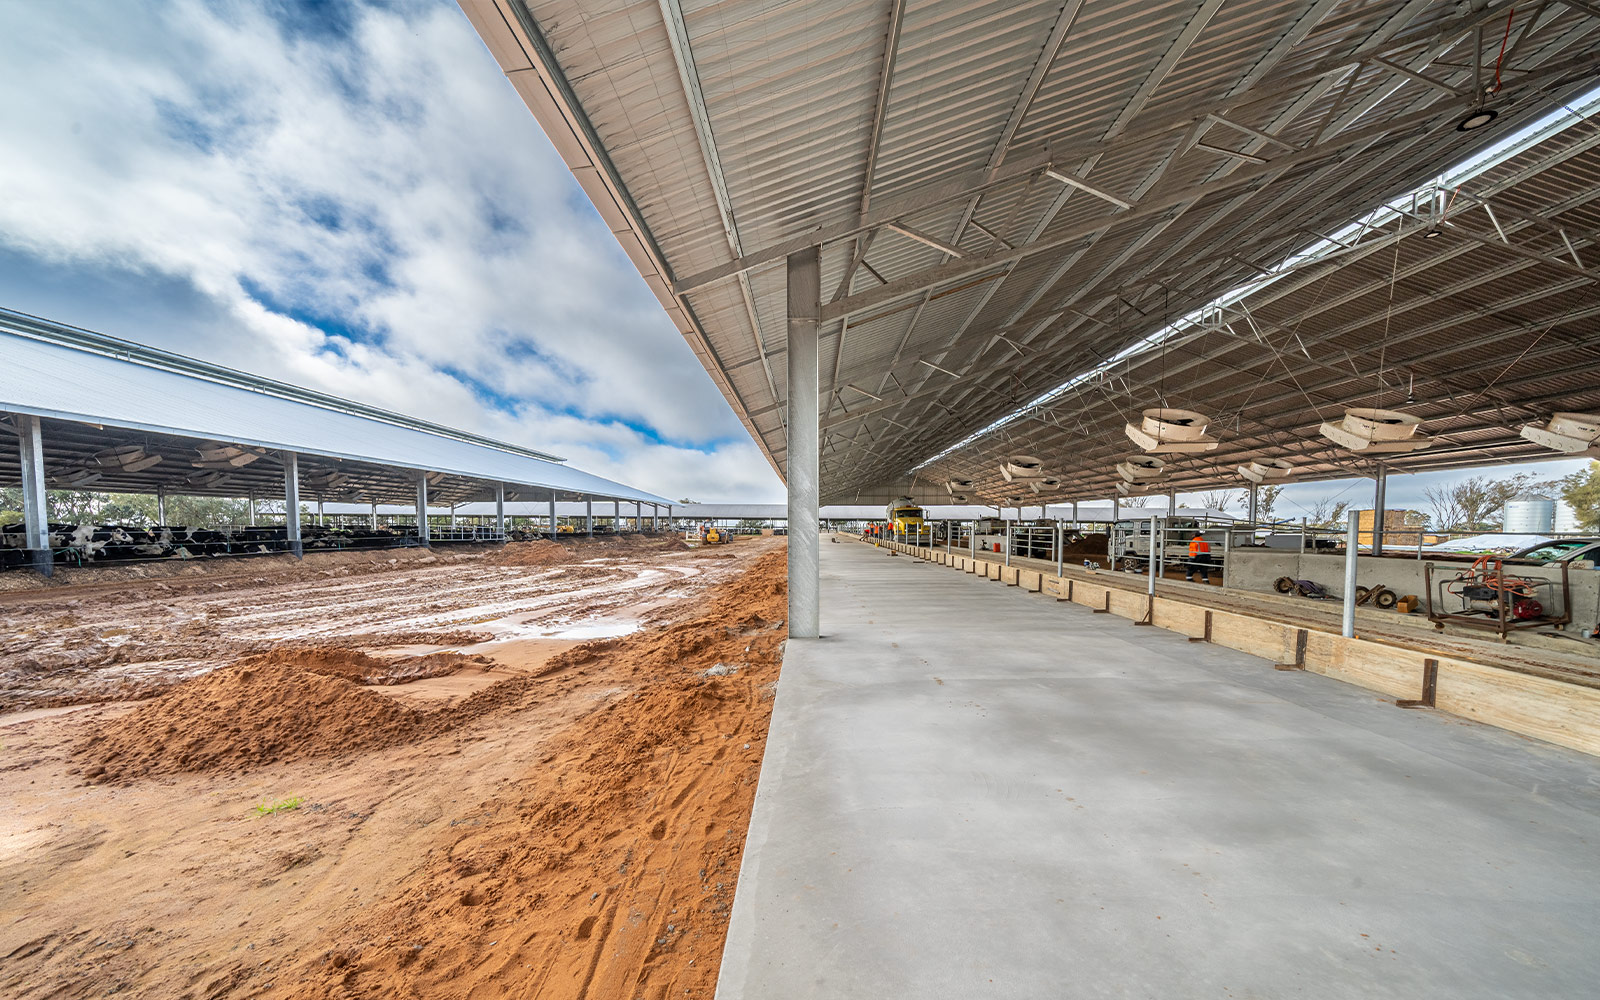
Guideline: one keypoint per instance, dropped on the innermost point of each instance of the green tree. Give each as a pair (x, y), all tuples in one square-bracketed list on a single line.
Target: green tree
[(1329, 513), (1582, 491), (133, 509), (1266, 499)]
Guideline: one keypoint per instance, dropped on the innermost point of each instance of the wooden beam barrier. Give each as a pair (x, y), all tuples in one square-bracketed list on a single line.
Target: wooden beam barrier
[(1566, 714)]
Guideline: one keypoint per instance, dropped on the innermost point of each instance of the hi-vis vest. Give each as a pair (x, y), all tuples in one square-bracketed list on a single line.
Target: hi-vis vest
[(1199, 547)]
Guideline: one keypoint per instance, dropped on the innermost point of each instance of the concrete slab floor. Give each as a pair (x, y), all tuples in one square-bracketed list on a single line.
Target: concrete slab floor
[(973, 792)]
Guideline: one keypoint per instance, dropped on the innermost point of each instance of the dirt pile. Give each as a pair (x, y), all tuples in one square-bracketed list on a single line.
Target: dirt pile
[(533, 554), (246, 716), (354, 665), (1088, 545), (610, 870)]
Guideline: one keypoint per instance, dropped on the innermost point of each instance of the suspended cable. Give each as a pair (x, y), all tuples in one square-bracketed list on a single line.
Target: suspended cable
[(1509, 15)]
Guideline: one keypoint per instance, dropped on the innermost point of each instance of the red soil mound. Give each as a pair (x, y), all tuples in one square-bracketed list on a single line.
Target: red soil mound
[(354, 665), (246, 716), (609, 870)]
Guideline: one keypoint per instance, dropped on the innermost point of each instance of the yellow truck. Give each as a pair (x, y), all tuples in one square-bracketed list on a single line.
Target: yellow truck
[(905, 521)]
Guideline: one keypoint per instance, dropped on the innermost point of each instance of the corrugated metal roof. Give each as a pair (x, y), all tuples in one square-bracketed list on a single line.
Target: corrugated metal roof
[(780, 512), (1235, 131), (69, 383)]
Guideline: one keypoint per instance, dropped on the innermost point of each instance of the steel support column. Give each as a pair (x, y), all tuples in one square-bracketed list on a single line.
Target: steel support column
[(452, 513), (1172, 503), (321, 517), (422, 509), (374, 518), (35, 509), (802, 464), (500, 510), (251, 507), (588, 517), (616, 517), (161, 505), (291, 503), (1351, 537), (655, 518), (1379, 500), (552, 516), (1253, 508)]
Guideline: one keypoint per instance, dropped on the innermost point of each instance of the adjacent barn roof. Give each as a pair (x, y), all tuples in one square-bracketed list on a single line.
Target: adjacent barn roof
[(98, 392)]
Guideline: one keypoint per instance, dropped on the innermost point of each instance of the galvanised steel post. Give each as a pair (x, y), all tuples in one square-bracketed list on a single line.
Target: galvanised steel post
[(588, 517), (500, 510), (1151, 589), (291, 503), (801, 468), (35, 509), (1378, 504), (422, 509), (1351, 536), (1059, 547), (552, 517)]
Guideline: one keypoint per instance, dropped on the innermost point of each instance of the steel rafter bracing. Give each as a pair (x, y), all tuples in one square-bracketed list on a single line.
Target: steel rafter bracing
[(1008, 196)]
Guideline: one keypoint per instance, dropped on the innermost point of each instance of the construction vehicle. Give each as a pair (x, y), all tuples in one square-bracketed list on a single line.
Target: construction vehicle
[(709, 534), (906, 521)]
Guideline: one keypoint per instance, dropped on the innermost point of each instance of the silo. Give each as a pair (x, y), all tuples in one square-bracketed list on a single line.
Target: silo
[(1566, 518), (1531, 513)]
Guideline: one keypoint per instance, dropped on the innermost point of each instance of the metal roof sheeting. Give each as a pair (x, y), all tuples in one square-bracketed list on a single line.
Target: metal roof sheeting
[(922, 143), (65, 382)]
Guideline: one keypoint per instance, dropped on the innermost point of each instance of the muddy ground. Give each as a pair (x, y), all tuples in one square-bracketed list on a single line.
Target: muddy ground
[(520, 773), (114, 638)]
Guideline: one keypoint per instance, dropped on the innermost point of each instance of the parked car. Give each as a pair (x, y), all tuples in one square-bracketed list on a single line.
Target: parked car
[(1562, 550)]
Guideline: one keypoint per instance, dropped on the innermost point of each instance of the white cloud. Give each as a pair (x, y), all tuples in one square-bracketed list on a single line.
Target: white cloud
[(388, 183)]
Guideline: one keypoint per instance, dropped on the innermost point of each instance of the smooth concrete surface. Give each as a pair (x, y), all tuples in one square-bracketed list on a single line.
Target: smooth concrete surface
[(972, 791)]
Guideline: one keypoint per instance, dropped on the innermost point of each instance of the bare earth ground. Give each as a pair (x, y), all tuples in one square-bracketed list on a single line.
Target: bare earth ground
[(557, 812)]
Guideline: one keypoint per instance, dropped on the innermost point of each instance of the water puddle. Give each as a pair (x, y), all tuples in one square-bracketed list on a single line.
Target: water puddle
[(582, 631)]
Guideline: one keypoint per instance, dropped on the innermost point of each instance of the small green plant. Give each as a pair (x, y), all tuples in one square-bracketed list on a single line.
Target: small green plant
[(287, 804)]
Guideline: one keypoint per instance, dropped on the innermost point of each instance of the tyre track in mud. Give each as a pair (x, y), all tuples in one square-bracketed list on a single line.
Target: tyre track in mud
[(68, 648)]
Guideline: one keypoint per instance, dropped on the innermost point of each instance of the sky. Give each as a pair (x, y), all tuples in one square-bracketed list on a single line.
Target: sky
[(351, 197)]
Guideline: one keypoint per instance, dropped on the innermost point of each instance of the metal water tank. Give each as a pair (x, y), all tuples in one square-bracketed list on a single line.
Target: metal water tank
[(1532, 514), (1566, 518)]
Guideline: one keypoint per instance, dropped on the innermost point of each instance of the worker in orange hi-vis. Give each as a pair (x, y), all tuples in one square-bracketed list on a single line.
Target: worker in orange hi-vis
[(1199, 559)]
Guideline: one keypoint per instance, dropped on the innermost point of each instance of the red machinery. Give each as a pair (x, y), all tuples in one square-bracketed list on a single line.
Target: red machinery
[(1493, 599)]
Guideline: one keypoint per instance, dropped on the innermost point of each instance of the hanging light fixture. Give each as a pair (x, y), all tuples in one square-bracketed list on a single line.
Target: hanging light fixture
[(1477, 118)]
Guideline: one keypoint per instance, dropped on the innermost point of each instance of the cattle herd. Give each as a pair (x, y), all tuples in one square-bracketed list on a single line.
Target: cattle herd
[(81, 544)]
